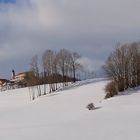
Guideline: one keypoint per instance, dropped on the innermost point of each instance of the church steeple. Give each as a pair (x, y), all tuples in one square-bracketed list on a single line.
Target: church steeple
[(13, 74)]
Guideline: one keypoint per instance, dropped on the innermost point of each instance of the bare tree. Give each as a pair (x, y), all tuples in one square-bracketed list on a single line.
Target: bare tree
[(64, 63), (75, 65), (35, 74), (50, 68)]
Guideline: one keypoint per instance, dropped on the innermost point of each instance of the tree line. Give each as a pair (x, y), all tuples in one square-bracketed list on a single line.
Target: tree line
[(55, 68), (123, 67)]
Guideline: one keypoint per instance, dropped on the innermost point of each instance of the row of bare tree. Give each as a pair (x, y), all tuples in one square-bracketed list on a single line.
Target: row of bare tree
[(56, 67), (123, 66)]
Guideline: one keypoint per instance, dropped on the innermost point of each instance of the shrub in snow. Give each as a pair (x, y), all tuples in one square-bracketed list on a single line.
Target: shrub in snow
[(122, 84), (111, 89), (90, 106)]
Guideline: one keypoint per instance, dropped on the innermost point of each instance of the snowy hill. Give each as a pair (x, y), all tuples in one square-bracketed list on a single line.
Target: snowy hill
[(63, 115)]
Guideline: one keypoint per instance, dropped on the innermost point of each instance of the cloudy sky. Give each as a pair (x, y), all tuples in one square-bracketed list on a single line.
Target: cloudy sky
[(90, 27)]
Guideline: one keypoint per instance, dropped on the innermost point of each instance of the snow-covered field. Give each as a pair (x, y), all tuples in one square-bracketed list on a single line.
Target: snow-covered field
[(63, 115)]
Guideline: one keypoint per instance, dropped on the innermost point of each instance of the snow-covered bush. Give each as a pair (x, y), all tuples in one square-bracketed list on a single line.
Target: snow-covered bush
[(90, 106), (111, 89)]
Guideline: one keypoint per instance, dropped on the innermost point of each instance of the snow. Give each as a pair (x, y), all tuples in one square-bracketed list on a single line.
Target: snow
[(63, 115)]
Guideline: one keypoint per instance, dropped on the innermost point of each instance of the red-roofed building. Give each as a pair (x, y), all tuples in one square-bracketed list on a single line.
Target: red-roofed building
[(3, 82)]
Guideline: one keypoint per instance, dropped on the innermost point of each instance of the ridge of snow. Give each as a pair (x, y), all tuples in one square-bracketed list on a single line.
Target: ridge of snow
[(81, 83)]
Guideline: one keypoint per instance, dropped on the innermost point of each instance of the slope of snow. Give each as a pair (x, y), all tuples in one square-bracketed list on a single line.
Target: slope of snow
[(63, 115)]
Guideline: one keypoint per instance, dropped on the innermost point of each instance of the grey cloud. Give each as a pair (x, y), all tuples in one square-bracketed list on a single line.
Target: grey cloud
[(90, 27)]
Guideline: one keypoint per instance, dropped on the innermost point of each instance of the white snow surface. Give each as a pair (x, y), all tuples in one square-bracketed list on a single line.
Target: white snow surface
[(63, 115)]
